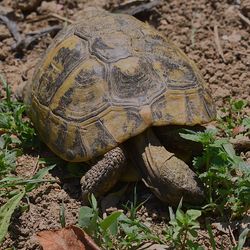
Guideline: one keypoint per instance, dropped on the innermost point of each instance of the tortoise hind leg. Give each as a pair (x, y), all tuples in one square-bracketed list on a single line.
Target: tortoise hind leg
[(104, 174)]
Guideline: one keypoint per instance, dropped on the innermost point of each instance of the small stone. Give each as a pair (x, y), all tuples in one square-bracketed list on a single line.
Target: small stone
[(4, 32), (3, 51), (38, 200), (28, 5), (222, 92), (4, 10), (25, 232), (163, 22), (234, 37)]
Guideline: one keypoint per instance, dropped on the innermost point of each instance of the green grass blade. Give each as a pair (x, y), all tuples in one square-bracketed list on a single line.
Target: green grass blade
[(108, 221), (211, 236), (242, 238), (7, 89), (38, 176), (6, 212), (22, 182), (62, 215)]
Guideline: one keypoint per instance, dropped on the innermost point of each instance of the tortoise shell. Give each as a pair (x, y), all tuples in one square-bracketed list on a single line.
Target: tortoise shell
[(108, 78)]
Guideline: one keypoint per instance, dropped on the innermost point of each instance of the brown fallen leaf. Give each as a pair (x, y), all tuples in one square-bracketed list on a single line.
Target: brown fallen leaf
[(69, 238), (238, 129), (153, 246)]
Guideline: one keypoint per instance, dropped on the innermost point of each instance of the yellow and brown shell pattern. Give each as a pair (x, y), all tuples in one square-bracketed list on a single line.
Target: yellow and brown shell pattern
[(108, 78)]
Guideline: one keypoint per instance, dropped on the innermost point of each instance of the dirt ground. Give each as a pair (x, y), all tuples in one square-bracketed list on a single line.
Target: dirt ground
[(213, 33)]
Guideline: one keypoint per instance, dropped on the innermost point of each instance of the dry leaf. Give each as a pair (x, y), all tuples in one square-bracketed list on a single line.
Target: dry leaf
[(70, 238), (224, 226), (238, 129), (48, 7), (152, 246)]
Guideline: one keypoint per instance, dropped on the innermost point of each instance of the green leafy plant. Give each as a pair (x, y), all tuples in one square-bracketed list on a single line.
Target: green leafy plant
[(6, 212), (7, 160), (14, 189), (132, 233), (133, 206), (183, 228), (116, 231), (232, 120), (225, 175), (62, 215), (100, 229), (16, 133), (14, 128)]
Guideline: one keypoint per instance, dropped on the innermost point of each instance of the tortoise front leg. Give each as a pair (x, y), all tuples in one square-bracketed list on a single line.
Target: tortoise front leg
[(104, 174), (169, 178)]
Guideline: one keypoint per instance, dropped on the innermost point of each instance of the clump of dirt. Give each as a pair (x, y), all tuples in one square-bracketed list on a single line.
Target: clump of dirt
[(212, 33)]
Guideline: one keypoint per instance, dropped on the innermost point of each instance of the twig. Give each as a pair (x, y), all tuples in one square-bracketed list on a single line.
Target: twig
[(38, 19), (232, 235), (245, 19), (241, 52), (23, 43), (36, 165), (47, 30), (136, 7), (50, 15), (217, 42), (31, 37), (12, 27), (61, 18)]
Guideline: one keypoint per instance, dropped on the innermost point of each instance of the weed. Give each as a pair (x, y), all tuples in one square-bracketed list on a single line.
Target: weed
[(15, 133), (183, 228), (15, 130), (116, 231), (7, 160), (62, 215), (6, 212), (225, 175), (232, 121), (14, 189), (133, 207), (100, 229)]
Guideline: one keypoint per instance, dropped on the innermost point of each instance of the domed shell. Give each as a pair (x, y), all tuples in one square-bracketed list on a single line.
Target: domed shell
[(108, 78)]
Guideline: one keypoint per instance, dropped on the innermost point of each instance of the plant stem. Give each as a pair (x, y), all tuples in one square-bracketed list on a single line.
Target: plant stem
[(183, 243)]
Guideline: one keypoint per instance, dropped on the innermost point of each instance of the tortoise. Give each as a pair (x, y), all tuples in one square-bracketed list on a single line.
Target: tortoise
[(102, 89)]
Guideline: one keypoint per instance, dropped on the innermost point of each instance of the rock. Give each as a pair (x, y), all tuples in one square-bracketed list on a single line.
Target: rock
[(245, 7), (29, 6), (4, 32), (4, 10), (222, 92), (233, 38), (3, 51), (48, 7)]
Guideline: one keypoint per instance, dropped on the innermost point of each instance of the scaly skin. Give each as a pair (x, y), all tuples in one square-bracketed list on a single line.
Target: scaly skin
[(168, 177), (104, 174)]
